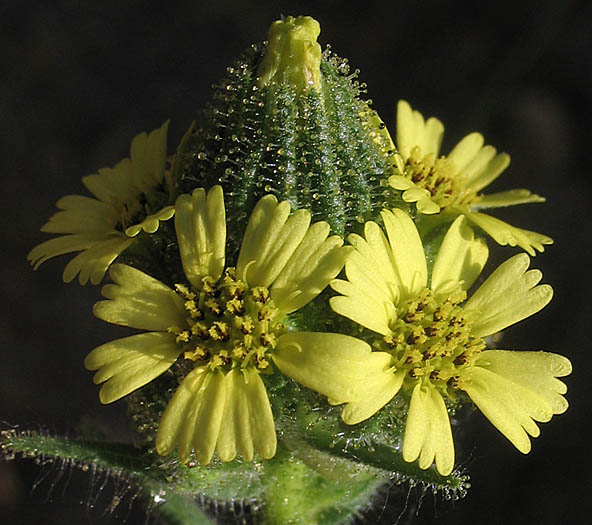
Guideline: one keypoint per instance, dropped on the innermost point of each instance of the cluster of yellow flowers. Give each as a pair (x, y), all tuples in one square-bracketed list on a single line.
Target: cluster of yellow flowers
[(228, 319)]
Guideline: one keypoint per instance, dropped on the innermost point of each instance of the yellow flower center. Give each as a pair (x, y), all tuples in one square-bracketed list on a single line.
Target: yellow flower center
[(438, 177), (228, 324), (432, 341)]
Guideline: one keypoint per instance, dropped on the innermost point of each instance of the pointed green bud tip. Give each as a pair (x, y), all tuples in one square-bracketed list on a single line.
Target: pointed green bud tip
[(293, 55)]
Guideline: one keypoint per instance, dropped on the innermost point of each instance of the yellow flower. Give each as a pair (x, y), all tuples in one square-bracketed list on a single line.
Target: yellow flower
[(229, 323), (103, 227), (451, 185), (434, 337)]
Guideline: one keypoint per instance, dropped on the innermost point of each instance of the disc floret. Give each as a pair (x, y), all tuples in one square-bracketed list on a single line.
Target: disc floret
[(432, 341), (228, 324), (436, 176)]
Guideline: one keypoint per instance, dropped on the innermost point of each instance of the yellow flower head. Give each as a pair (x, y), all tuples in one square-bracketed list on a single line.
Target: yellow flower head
[(103, 227), (228, 321), (434, 336), (451, 184)]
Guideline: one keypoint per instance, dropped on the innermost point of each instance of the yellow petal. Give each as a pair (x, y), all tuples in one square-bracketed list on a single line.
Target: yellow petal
[(507, 198), (81, 215), (380, 387), (376, 283), (536, 371), (461, 257), (60, 246), (507, 296), (247, 424), (413, 130), (415, 194), (506, 234), (93, 262), (411, 193), (427, 206), (316, 261), (271, 238), (372, 264), (483, 175), (509, 406), (148, 157), (400, 183), (428, 435), (129, 363), (135, 175), (267, 216), (193, 417), (407, 251), (114, 185), (200, 223), (466, 151), (334, 365), (175, 416), (408, 123), (477, 164), (139, 301), (433, 133), (152, 222), (362, 308)]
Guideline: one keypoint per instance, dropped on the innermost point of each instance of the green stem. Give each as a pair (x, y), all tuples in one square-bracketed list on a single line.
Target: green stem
[(297, 494), (180, 509)]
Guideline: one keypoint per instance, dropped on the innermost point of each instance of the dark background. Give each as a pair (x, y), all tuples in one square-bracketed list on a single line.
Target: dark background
[(80, 79)]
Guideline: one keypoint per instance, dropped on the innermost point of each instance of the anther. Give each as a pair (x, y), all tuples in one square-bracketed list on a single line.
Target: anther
[(417, 336), (412, 317), (460, 360), (246, 326), (389, 341), (225, 356), (433, 330), (239, 352), (262, 363), (235, 307), (454, 381), (216, 362), (267, 339), (414, 356), (265, 314), (193, 310), (185, 292), (209, 285), (214, 306), (199, 354), (219, 331), (260, 294), (200, 329), (183, 337)]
